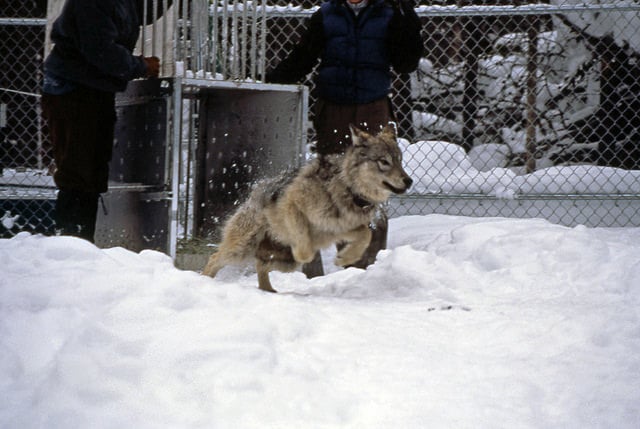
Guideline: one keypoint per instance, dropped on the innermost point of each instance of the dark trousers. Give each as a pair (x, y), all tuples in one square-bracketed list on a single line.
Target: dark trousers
[(81, 127), (332, 121)]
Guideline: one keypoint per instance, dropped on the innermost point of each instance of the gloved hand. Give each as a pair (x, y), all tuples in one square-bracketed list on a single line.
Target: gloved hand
[(153, 66)]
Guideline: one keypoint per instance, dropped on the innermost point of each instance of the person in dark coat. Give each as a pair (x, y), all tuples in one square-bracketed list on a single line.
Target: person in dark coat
[(357, 42), (91, 60)]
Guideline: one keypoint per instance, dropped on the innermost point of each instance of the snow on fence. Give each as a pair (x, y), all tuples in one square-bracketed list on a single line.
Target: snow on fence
[(523, 110)]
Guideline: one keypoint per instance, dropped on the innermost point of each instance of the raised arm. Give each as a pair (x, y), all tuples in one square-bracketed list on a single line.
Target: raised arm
[(304, 55)]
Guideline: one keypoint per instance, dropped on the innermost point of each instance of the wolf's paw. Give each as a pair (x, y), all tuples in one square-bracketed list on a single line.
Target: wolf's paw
[(350, 254), (213, 266), (344, 259)]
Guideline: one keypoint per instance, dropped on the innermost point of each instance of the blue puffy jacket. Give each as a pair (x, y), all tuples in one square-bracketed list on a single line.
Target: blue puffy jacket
[(94, 41), (356, 53), (355, 65)]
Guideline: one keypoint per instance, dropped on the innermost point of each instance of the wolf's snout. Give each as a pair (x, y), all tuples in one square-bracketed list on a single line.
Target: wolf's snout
[(406, 184)]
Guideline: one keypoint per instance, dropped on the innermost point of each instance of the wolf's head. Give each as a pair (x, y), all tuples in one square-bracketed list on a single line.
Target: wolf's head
[(372, 166)]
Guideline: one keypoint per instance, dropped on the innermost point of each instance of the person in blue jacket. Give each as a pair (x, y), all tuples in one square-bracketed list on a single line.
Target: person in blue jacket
[(357, 43), (92, 59)]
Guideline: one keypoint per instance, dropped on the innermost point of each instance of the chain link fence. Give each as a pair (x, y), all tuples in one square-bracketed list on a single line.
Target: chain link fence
[(519, 109), (25, 184), (528, 111), (525, 109)]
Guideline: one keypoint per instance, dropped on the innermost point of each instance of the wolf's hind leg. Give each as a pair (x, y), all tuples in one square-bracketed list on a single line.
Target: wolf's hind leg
[(214, 264), (357, 241)]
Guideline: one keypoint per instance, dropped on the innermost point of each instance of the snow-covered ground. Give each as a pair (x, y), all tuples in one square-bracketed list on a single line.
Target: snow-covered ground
[(462, 323)]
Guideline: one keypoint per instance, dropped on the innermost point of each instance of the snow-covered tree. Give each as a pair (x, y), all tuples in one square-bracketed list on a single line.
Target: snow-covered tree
[(552, 88)]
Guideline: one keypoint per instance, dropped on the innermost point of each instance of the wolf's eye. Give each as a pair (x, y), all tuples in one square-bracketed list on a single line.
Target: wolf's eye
[(384, 164)]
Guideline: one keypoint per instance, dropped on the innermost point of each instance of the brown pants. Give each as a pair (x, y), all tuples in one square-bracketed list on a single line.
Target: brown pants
[(81, 126), (332, 122)]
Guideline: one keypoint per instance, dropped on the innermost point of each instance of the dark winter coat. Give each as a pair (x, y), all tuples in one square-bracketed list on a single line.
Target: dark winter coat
[(94, 41), (355, 52)]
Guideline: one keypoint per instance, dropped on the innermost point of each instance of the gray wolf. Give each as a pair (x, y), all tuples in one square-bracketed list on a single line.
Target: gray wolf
[(332, 199)]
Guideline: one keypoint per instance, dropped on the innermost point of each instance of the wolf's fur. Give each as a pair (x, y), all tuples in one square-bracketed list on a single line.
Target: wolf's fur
[(287, 219)]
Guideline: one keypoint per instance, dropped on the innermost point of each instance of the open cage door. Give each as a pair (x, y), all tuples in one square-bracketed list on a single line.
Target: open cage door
[(247, 132), (135, 212)]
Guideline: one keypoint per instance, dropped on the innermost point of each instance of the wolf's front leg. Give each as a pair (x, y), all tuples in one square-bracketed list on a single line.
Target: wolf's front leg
[(303, 252), (299, 231), (357, 241)]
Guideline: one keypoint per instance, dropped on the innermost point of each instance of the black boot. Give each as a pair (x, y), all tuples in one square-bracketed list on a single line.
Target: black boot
[(314, 268), (76, 213)]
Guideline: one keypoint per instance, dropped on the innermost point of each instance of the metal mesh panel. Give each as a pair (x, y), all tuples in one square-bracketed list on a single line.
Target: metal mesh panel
[(25, 187), (524, 111), (245, 135)]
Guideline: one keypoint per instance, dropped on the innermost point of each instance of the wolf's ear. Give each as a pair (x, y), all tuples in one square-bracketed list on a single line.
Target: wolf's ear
[(358, 137), (389, 130)]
